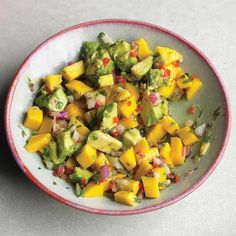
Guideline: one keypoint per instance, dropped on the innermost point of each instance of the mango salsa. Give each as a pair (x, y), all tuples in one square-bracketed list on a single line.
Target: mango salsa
[(108, 124)]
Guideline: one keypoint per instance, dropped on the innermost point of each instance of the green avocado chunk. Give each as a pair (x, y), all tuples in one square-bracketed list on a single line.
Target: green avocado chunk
[(124, 61), (54, 102), (118, 48), (142, 68), (80, 173), (66, 145), (103, 142), (131, 137), (109, 113), (151, 114), (88, 50)]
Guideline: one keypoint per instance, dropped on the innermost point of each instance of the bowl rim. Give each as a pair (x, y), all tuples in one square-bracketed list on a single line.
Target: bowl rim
[(134, 211)]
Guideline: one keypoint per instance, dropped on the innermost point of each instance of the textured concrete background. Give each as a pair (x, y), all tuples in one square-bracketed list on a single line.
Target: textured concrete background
[(210, 210)]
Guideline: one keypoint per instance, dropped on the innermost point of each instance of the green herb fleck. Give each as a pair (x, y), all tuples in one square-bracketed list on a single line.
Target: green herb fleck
[(23, 133), (103, 92), (39, 168), (137, 199), (216, 113), (67, 187), (187, 80), (206, 139), (30, 84), (54, 183)]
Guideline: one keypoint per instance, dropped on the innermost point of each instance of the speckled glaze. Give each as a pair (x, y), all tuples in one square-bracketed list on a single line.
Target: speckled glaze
[(57, 51)]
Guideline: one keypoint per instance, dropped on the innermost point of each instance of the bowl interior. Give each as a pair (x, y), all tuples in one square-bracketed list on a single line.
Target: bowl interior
[(56, 53)]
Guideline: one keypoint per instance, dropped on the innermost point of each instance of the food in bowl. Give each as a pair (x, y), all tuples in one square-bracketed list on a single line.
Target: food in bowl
[(104, 124)]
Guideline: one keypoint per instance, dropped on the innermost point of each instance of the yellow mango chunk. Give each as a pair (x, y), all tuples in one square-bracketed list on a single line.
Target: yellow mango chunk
[(74, 110), (80, 127), (184, 82), (151, 188), (34, 118), (38, 142), (100, 161), (143, 49), (155, 133), (187, 137), (53, 82), (165, 154), (127, 158), (46, 126), (161, 172), (196, 85), (106, 80), (133, 90), (130, 122), (204, 148), (73, 71), (167, 90), (169, 124), (71, 163), (87, 156), (93, 190), (175, 71), (127, 107), (176, 153), (78, 88), (125, 197), (143, 169), (140, 149), (168, 55), (128, 185)]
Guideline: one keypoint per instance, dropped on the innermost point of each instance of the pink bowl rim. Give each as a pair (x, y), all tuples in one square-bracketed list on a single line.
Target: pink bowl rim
[(117, 212)]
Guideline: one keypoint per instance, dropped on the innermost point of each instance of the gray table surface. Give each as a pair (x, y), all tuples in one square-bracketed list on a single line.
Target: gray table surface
[(26, 210)]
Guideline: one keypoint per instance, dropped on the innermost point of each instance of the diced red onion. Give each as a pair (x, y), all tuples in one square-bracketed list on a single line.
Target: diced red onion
[(49, 165), (105, 172), (61, 115), (157, 161), (75, 136), (188, 151), (70, 63), (122, 183), (113, 74), (59, 171), (101, 99), (114, 161), (114, 187), (154, 98), (199, 131), (70, 98), (189, 123), (73, 128), (167, 169), (78, 189), (156, 175)]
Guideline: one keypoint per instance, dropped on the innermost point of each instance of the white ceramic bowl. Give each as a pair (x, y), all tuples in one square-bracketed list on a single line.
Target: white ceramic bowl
[(55, 53)]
